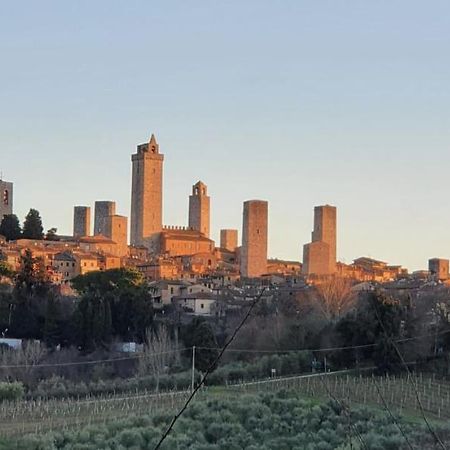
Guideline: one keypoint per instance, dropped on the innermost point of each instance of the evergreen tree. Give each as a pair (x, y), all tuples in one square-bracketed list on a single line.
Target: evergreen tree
[(10, 227), (52, 322), (200, 334), (32, 227), (113, 303)]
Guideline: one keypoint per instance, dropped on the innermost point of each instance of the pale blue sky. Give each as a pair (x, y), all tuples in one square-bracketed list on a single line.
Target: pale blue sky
[(297, 102)]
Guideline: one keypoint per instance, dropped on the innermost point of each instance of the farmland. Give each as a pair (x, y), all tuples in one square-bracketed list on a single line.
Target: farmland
[(397, 393)]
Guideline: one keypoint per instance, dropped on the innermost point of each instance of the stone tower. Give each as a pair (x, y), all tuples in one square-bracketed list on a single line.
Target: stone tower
[(146, 195), (81, 221), (229, 240), (254, 239), (116, 228), (199, 204), (319, 256), (6, 198), (103, 209)]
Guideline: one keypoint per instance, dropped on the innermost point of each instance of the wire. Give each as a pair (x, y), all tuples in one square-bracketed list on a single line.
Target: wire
[(82, 363), (243, 350), (209, 370), (430, 428)]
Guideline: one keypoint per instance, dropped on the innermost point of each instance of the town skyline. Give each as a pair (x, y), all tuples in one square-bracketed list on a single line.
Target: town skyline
[(215, 235), (340, 105)]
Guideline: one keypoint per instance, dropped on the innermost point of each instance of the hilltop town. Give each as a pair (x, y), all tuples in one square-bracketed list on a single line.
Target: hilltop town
[(185, 254)]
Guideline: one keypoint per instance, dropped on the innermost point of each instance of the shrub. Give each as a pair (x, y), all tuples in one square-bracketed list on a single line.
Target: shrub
[(11, 391)]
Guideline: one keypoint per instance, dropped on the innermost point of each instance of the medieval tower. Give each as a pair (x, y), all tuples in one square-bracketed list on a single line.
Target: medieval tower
[(254, 239), (81, 221), (146, 195), (319, 256), (199, 205), (103, 209)]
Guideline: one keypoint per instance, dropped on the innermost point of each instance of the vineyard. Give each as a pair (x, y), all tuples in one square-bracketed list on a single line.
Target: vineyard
[(398, 393)]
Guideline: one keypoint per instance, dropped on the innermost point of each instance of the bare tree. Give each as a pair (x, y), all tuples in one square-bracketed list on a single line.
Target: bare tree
[(158, 353), (21, 363), (335, 297)]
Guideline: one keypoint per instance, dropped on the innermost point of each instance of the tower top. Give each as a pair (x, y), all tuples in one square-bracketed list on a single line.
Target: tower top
[(199, 188), (151, 146)]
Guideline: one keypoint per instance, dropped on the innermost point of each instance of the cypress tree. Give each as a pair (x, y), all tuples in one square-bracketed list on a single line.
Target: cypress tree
[(32, 227)]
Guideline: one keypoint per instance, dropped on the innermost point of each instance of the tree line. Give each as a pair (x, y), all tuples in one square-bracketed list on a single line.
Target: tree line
[(32, 227)]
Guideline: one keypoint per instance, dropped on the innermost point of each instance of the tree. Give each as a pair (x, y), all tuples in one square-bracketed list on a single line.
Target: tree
[(335, 297), (379, 320), (200, 334), (114, 302), (159, 352), (10, 227), (51, 234), (32, 227), (30, 292)]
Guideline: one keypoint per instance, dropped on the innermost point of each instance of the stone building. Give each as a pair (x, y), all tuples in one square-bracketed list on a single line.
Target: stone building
[(147, 195), (6, 198), (439, 268), (103, 209), (253, 260), (116, 229), (199, 206), (180, 241), (229, 239), (319, 256), (81, 221)]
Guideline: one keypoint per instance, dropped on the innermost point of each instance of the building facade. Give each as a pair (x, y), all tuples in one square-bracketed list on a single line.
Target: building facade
[(147, 195), (229, 239), (439, 268), (253, 262), (81, 221)]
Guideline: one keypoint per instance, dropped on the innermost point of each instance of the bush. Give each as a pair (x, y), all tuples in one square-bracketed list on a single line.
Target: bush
[(11, 391)]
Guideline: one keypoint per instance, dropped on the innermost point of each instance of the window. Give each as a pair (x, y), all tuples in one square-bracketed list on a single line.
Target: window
[(171, 290), (6, 197), (67, 264), (202, 305)]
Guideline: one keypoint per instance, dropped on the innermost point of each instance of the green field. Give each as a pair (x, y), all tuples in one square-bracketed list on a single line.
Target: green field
[(71, 417)]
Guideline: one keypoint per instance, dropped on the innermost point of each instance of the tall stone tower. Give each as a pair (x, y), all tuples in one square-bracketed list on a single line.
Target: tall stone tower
[(146, 195), (319, 256), (229, 239), (254, 239), (116, 228), (81, 221), (6, 198), (103, 209), (199, 205)]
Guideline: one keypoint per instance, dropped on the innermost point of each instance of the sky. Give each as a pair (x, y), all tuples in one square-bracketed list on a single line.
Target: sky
[(300, 103)]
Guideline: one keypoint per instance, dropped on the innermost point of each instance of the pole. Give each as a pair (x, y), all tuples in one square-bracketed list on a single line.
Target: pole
[(193, 369), (325, 363)]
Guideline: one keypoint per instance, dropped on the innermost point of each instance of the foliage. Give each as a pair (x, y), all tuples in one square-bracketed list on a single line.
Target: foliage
[(32, 226), (377, 321), (51, 234), (115, 302), (199, 333), (10, 227), (11, 391), (280, 420)]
